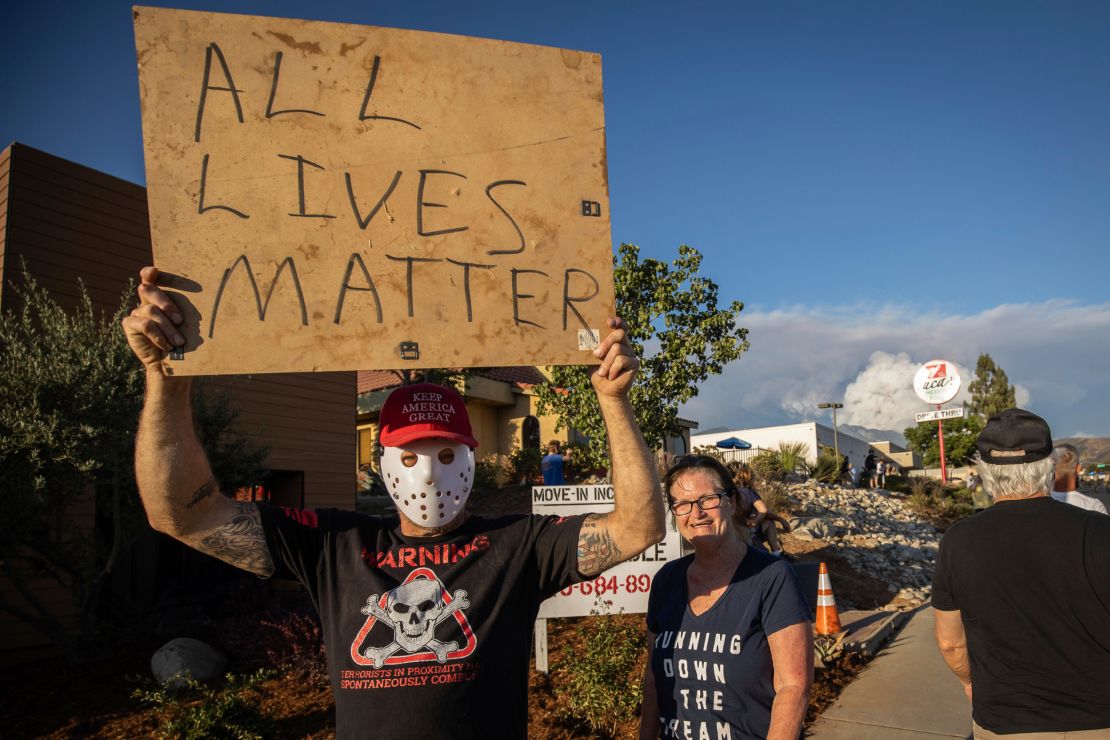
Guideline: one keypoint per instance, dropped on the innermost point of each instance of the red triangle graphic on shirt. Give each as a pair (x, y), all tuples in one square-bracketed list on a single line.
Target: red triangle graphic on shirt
[(422, 655)]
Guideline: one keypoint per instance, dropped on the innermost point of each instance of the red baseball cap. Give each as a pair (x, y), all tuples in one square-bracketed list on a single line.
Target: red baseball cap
[(424, 411)]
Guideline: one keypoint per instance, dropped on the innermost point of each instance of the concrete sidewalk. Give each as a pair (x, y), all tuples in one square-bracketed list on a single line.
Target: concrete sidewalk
[(905, 693)]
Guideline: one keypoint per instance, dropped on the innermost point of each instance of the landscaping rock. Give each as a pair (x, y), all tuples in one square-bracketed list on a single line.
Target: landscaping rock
[(185, 657), (873, 530), (819, 528)]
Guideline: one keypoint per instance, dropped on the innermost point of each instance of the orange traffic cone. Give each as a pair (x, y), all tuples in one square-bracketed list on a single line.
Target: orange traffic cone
[(828, 620)]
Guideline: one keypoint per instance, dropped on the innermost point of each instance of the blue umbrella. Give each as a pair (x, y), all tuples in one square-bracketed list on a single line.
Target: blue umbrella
[(733, 443)]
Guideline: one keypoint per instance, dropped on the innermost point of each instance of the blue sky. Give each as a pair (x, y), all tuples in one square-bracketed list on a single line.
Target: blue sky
[(922, 179)]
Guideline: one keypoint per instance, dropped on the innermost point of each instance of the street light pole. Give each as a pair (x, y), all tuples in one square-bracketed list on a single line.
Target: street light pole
[(836, 441)]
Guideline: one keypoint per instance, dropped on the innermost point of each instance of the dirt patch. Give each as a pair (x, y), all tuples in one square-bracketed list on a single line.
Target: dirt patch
[(56, 699), (829, 681), (852, 589)]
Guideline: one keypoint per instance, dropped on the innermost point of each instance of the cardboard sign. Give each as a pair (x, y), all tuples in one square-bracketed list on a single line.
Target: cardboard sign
[(335, 197), (625, 586)]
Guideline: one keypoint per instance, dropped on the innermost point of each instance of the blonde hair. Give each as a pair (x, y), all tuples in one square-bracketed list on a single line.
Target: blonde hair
[(743, 476)]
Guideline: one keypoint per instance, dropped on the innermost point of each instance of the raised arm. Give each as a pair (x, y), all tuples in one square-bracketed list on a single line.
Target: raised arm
[(636, 521), (181, 497)]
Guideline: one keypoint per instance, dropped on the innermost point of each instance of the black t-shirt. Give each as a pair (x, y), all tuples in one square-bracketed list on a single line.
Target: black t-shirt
[(426, 637), (1031, 579), (714, 670)]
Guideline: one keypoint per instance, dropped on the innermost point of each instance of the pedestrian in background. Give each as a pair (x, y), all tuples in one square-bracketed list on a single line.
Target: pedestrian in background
[(757, 517), (979, 498), (552, 465), (1067, 480)]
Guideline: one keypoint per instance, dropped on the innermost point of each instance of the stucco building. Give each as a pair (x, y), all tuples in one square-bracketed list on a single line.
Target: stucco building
[(816, 437)]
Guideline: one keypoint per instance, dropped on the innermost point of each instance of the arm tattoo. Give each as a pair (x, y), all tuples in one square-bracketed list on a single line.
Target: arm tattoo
[(596, 549), (241, 541), (202, 493)]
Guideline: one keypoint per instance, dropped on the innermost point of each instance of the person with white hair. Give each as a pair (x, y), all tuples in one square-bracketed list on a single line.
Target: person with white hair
[(1021, 593), (1067, 480)]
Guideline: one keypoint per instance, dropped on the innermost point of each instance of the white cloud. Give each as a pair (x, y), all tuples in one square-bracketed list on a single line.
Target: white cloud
[(1054, 353), (880, 397)]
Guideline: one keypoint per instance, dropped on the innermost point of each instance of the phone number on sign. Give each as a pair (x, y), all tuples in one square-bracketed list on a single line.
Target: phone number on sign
[(631, 584)]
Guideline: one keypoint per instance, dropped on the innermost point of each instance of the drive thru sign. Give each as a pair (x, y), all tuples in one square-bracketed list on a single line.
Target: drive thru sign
[(938, 381), (939, 415)]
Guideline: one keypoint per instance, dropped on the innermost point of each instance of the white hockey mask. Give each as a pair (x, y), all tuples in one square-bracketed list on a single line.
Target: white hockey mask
[(429, 479)]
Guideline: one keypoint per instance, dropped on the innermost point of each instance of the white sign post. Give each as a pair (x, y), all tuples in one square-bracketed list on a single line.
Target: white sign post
[(938, 382), (623, 587)]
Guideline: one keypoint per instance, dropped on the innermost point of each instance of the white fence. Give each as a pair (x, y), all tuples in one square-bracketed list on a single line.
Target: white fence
[(741, 456)]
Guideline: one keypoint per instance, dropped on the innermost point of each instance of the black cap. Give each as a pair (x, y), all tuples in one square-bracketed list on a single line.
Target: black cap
[(1013, 437)]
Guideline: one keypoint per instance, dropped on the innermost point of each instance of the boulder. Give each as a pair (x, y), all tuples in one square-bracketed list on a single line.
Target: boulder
[(819, 528), (185, 657)]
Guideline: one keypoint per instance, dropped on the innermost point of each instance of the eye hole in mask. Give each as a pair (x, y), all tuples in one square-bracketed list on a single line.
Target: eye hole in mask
[(446, 456)]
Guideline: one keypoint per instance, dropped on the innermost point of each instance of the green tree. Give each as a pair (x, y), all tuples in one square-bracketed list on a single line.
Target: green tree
[(680, 335), (70, 396), (959, 440), (991, 391)]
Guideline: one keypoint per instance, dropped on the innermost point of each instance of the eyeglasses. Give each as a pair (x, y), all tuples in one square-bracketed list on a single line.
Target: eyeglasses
[(705, 503)]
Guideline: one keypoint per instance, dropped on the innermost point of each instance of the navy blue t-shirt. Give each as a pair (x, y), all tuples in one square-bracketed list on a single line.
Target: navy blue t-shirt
[(713, 672), (1031, 581)]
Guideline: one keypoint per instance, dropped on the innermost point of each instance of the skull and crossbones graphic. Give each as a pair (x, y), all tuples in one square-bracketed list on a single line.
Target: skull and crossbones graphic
[(413, 610)]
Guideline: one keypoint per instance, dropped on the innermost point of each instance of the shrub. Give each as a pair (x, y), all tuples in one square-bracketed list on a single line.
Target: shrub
[(767, 466), (490, 473), (930, 498), (710, 451), (921, 489), (70, 395), (826, 469), (828, 648), (197, 712), (289, 639), (577, 462), (954, 503), (792, 455), (524, 463), (601, 683), (297, 645), (776, 497), (370, 482)]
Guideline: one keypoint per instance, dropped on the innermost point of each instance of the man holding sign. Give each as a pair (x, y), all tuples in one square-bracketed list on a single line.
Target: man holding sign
[(427, 615)]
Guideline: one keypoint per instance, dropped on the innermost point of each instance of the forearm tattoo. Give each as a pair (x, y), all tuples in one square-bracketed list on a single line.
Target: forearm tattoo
[(202, 493), (596, 549), (241, 542)]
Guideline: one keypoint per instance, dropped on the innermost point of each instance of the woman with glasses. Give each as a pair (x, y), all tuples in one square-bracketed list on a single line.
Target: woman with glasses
[(730, 649)]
